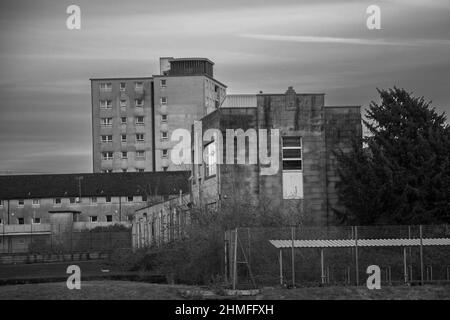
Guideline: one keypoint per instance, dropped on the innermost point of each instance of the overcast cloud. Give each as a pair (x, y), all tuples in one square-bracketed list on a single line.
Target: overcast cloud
[(45, 123)]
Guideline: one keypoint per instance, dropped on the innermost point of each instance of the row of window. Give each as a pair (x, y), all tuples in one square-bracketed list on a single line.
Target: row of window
[(72, 200), (138, 86), (107, 104), (109, 155), (140, 137), (123, 120), (107, 86), (109, 218), (123, 170), (22, 221)]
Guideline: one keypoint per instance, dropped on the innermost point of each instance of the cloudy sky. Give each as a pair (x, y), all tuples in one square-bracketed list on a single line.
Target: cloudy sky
[(315, 46)]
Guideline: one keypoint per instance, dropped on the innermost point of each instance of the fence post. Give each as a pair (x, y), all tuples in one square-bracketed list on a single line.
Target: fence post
[(293, 256), (281, 267), (356, 256), (235, 259), (421, 255), (322, 269), (405, 267)]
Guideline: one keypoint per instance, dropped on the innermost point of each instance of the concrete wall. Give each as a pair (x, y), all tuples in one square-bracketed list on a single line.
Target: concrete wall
[(188, 99), (160, 223), (322, 131), (132, 163)]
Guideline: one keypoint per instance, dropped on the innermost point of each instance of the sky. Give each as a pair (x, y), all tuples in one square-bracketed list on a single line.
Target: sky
[(314, 46)]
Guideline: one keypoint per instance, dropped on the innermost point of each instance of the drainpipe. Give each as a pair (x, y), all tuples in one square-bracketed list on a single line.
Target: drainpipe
[(8, 210)]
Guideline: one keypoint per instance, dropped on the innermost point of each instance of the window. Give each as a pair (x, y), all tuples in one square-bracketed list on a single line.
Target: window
[(165, 168), (123, 138), (35, 202), (144, 197), (123, 103), (140, 170), (123, 120), (139, 86), (164, 117), (163, 83), (165, 152), (123, 86), (163, 100), (130, 198), (140, 137), (93, 200), (20, 220), (139, 103), (72, 200), (1, 222), (20, 202), (108, 199), (140, 120), (106, 121), (211, 163), (107, 155), (93, 219), (292, 153), (164, 135), (107, 138), (140, 154), (57, 201), (106, 86), (105, 104), (124, 170), (36, 221), (108, 218), (124, 155)]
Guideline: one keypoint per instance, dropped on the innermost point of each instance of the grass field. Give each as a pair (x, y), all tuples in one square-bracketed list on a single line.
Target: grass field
[(107, 290)]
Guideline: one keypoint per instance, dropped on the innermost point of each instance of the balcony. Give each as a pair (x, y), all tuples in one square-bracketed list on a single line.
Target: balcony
[(25, 229)]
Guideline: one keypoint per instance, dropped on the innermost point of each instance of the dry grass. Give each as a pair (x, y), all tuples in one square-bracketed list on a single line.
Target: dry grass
[(113, 290)]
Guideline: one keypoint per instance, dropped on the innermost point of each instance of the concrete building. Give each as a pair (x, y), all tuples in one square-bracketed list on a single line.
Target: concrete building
[(35, 204), (133, 118), (185, 91), (305, 183)]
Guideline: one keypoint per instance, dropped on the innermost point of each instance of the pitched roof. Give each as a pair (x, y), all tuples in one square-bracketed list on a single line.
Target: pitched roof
[(93, 184)]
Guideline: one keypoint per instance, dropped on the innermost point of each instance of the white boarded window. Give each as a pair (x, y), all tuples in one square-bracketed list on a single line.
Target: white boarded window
[(211, 163)]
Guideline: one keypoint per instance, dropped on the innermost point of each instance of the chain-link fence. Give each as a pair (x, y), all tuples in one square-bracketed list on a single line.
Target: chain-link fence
[(337, 255)]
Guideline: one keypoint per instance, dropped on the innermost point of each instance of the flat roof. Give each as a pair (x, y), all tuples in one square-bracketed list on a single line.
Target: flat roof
[(190, 59), (121, 78), (190, 75)]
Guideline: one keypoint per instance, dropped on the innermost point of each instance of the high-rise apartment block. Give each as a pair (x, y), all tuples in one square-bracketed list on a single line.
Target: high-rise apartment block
[(133, 118)]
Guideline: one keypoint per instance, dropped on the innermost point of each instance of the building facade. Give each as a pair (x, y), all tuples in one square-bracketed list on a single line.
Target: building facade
[(122, 124), (40, 205), (304, 182), (133, 118)]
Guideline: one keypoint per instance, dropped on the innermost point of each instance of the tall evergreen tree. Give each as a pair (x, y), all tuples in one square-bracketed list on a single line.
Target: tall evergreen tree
[(400, 173)]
